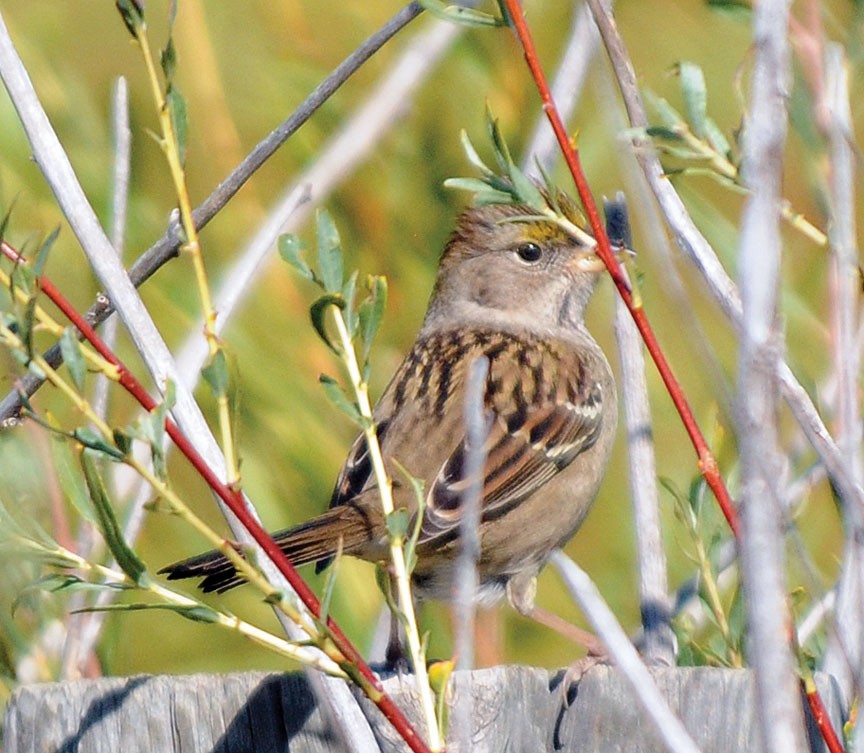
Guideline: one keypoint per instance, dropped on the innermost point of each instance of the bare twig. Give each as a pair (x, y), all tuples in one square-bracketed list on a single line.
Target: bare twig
[(658, 641), (762, 544), (656, 709), (844, 657), (166, 247), (720, 285), (55, 165), (707, 463), (84, 627)]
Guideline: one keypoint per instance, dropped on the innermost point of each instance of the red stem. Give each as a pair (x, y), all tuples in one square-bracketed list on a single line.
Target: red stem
[(235, 502), (820, 716), (707, 463)]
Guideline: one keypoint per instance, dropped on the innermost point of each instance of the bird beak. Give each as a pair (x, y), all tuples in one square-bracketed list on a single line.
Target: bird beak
[(589, 261)]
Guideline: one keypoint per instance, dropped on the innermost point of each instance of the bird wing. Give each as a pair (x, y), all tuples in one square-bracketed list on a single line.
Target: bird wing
[(531, 438), (544, 409)]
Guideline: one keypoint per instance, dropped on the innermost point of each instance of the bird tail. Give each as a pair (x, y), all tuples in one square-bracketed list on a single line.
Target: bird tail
[(317, 540)]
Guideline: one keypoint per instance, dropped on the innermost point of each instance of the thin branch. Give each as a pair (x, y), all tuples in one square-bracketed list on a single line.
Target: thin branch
[(347, 148), (762, 543), (669, 727), (844, 657), (707, 463), (466, 581), (658, 641), (351, 662), (723, 290), (166, 247)]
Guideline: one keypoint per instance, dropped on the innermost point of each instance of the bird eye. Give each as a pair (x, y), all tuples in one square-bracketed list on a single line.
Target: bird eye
[(529, 252)]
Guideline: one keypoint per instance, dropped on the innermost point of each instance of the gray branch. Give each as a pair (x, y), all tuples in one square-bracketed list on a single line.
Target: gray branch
[(762, 466)]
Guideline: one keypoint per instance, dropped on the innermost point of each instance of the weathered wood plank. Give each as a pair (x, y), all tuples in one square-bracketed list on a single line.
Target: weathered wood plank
[(515, 709)]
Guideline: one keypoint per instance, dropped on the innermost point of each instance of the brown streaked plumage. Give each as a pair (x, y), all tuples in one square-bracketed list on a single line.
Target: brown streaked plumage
[(515, 292)]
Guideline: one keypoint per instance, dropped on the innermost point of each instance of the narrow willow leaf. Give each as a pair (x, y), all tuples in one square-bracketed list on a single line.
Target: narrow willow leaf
[(461, 15), (318, 313), (168, 61), (695, 96), (669, 116), (372, 312), (179, 120), (291, 250), (73, 357), (661, 132), (215, 373), (491, 196), (123, 441), (473, 157), (526, 190), (196, 613), (717, 139), (44, 249), (474, 185), (502, 152), (329, 253), (340, 399), (110, 527), (92, 440), (132, 13), (7, 218), (69, 475), (349, 313), (439, 681)]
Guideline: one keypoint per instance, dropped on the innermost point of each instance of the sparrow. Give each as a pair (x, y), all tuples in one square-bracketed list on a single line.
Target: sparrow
[(513, 287)]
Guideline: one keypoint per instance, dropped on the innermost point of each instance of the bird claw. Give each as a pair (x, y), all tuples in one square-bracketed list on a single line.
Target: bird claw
[(576, 671)]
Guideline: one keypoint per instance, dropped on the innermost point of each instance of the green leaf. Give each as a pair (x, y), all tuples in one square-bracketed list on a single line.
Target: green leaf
[(715, 137), (502, 152), (122, 440), (168, 60), (196, 613), (42, 252), (92, 440), (340, 399), (69, 476), (660, 132), (179, 120), (215, 373), (132, 13), (526, 190), (372, 312), (669, 116), (291, 250), (349, 294), (461, 15), (329, 253), (110, 527), (695, 96), (474, 185), (397, 524), (318, 312), (73, 357), (473, 157)]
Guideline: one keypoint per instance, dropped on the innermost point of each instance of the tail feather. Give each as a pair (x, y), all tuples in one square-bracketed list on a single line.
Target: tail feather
[(316, 540)]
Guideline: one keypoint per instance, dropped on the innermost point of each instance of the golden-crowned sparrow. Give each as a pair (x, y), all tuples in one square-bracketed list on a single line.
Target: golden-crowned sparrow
[(513, 290)]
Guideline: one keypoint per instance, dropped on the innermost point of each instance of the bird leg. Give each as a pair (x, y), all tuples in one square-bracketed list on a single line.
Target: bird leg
[(521, 591)]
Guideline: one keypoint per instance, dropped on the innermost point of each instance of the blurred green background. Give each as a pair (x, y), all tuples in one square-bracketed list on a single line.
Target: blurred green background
[(243, 67)]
